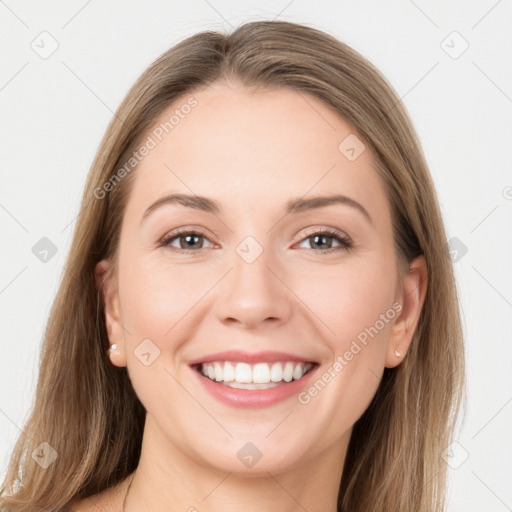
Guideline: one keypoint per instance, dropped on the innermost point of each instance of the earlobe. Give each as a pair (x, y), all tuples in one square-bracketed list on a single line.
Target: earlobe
[(116, 355), (412, 297), (105, 284)]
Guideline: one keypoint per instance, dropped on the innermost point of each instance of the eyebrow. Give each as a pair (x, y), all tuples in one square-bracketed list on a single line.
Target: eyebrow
[(293, 206)]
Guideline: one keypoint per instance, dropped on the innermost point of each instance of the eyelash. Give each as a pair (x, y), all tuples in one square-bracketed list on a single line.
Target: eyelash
[(344, 240)]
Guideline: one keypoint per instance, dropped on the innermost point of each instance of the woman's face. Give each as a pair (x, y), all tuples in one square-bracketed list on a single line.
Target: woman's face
[(255, 276)]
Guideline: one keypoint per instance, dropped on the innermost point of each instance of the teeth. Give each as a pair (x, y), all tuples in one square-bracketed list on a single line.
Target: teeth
[(261, 373), (288, 372), (298, 371), (218, 372), (276, 372), (229, 372), (258, 376), (243, 373), (251, 385)]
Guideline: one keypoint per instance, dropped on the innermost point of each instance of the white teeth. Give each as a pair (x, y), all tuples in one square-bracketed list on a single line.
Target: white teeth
[(297, 373), (218, 371), (276, 372), (288, 372), (229, 372), (261, 373), (243, 373), (258, 376), (251, 385)]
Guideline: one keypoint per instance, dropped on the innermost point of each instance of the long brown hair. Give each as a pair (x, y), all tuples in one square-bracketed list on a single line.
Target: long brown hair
[(86, 409)]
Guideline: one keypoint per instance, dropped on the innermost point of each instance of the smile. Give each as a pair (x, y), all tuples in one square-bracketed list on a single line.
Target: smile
[(243, 375)]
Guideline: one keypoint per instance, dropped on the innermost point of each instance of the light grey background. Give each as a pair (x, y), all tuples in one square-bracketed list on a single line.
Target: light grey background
[(54, 110)]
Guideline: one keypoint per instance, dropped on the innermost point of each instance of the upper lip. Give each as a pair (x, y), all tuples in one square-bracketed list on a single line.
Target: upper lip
[(250, 357)]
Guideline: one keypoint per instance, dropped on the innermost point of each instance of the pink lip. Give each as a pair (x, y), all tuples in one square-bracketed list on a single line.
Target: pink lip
[(250, 358), (255, 398)]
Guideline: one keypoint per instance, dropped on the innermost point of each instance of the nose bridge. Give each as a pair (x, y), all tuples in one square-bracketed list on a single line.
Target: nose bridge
[(252, 293)]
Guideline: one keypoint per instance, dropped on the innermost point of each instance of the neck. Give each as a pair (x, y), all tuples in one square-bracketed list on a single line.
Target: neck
[(167, 477)]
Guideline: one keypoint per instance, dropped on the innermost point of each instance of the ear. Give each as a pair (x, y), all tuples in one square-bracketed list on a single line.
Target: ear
[(411, 295), (107, 286)]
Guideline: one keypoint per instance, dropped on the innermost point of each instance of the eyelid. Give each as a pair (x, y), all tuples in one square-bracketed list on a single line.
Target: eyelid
[(311, 230), (186, 230)]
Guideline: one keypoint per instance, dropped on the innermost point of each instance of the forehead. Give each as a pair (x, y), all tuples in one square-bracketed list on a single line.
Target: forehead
[(248, 149)]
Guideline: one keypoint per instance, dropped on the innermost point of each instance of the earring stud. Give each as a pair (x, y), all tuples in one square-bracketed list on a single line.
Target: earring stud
[(112, 348), (398, 353)]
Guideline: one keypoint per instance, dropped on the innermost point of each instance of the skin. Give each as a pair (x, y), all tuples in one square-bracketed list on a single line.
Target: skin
[(295, 298)]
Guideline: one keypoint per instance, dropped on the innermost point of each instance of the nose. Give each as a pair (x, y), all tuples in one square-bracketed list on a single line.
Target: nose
[(253, 294)]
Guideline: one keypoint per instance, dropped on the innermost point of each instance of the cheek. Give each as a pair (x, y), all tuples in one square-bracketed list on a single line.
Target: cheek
[(156, 295), (347, 299), (157, 301), (356, 304)]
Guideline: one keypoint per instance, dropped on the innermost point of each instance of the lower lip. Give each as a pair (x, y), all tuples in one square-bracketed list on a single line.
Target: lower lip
[(254, 398)]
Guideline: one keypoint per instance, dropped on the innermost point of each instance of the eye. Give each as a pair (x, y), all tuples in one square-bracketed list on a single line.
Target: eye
[(187, 240), (323, 241), (328, 240)]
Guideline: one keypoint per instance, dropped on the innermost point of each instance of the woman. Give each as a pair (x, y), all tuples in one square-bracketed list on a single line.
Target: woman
[(279, 324)]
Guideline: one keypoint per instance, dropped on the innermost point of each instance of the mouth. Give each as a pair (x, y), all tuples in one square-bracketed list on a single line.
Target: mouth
[(239, 378), (258, 376)]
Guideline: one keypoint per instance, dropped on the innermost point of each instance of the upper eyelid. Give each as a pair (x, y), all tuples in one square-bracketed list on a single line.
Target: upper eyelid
[(311, 230), (184, 231), (330, 230)]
